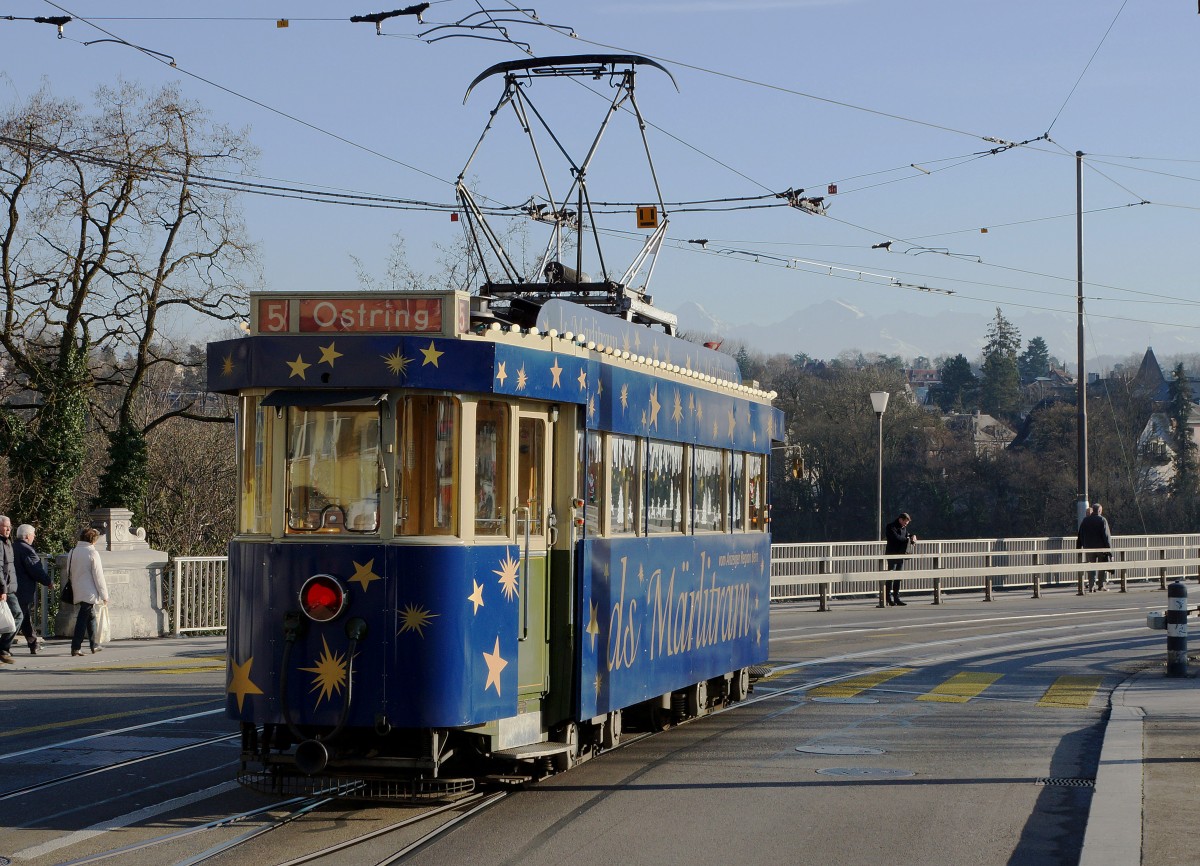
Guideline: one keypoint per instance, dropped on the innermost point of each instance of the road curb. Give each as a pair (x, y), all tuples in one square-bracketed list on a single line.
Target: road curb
[(1114, 826)]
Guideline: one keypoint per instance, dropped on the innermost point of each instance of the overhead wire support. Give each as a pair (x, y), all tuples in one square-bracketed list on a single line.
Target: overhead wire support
[(59, 21), (377, 18)]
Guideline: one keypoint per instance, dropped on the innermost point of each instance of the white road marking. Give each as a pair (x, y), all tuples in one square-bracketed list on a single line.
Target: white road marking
[(121, 821)]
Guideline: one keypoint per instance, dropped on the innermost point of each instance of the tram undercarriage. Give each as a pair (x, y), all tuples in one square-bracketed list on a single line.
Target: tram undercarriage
[(434, 764)]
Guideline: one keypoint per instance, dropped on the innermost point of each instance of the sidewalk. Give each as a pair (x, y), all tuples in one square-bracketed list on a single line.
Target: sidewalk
[(1149, 774)]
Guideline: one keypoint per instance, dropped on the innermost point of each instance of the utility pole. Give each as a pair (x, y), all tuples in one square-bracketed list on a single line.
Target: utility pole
[(1081, 502)]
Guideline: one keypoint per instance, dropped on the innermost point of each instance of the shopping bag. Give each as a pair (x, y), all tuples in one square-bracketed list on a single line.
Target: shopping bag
[(7, 624), (67, 595), (103, 627)]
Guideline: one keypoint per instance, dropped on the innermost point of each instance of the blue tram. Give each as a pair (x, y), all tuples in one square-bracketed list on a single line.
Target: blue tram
[(477, 529), (463, 538)]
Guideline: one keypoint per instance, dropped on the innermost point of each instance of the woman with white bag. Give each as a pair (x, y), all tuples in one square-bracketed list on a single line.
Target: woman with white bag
[(87, 583)]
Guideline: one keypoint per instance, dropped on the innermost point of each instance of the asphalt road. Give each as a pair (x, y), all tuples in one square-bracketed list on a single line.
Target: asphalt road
[(962, 733)]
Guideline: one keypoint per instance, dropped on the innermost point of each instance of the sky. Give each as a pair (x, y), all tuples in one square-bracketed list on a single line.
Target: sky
[(935, 119)]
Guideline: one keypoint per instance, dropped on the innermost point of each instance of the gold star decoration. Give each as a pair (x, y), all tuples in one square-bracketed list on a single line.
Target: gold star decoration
[(677, 411), (593, 626), (582, 380), (364, 575), (397, 363), (624, 397), (591, 406), (599, 387), (644, 418), (227, 365), (501, 374), (329, 354), (330, 673), (732, 424), (598, 684), (415, 619), (495, 664), (556, 375), (699, 411), (298, 367), (508, 576), (240, 683), (431, 355), (654, 407), (476, 597), (522, 379), (716, 431)]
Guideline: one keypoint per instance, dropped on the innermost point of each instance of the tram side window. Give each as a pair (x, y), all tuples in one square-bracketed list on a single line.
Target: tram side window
[(737, 491), (333, 470), (591, 479), (664, 487), (257, 426), (708, 487), (531, 467), (491, 468), (624, 507), (756, 487), (428, 466)]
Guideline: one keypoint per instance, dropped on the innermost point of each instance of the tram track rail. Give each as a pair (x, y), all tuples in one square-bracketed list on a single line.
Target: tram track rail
[(107, 768)]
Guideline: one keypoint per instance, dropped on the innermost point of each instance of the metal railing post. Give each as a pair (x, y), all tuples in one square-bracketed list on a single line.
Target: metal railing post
[(1124, 585), (824, 568), (1037, 578), (176, 595)]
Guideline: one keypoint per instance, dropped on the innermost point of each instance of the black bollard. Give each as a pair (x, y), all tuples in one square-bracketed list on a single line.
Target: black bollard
[(1177, 612)]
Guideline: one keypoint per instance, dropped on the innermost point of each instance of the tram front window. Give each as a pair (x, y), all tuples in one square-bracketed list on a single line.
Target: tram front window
[(428, 499), (256, 423), (333, 470), (491, 468)]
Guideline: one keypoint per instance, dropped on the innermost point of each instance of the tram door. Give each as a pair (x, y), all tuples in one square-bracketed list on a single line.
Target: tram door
[(533, 526)]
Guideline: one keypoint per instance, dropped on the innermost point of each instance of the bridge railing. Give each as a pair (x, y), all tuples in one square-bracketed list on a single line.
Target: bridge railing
[(198, 594), (855, 568)]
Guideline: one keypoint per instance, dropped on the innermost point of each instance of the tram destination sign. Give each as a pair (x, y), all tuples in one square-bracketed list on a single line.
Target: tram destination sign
[(434, 313)]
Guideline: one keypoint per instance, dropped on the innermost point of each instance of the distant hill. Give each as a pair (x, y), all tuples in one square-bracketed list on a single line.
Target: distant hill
[(826, 329)]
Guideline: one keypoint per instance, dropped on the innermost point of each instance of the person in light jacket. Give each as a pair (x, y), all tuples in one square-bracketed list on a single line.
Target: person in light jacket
[(87, 583)]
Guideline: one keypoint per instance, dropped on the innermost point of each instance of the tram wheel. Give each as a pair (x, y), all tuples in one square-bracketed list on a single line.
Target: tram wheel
[(611, 738), (568, 735), (697, 698), (739, 687)]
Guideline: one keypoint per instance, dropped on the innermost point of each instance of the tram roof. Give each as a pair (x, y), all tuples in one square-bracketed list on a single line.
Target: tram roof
[(619, 391)]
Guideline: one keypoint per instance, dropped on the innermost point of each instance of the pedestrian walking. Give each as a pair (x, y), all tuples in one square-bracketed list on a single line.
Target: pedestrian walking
[(30, 572), (1094, 533), (898, 541), (86, 574), (8, 589)]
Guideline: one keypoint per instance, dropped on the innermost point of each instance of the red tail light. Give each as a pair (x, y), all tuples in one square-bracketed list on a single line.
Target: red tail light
[(322, 597)]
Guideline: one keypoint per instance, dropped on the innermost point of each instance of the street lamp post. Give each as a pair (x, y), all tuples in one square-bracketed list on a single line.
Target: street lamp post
[(879, 401)]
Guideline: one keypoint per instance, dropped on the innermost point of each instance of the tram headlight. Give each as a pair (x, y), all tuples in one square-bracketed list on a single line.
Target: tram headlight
[(322, 598)]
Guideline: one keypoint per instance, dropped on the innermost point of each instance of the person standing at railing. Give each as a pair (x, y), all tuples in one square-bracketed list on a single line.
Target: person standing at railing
[(1095, 536), (898, 541)]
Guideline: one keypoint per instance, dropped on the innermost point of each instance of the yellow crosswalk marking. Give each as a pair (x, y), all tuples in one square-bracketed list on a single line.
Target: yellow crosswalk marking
[(1071, 691), (960, 688), (851, 687)]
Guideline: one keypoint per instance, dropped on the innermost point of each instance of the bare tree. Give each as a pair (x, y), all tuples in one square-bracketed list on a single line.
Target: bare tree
[(117, 225)]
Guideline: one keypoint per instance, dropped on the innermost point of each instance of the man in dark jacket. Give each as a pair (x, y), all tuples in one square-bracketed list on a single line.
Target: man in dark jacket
[(1094, 533), (8, 588), (30, 572), (898, 539)]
